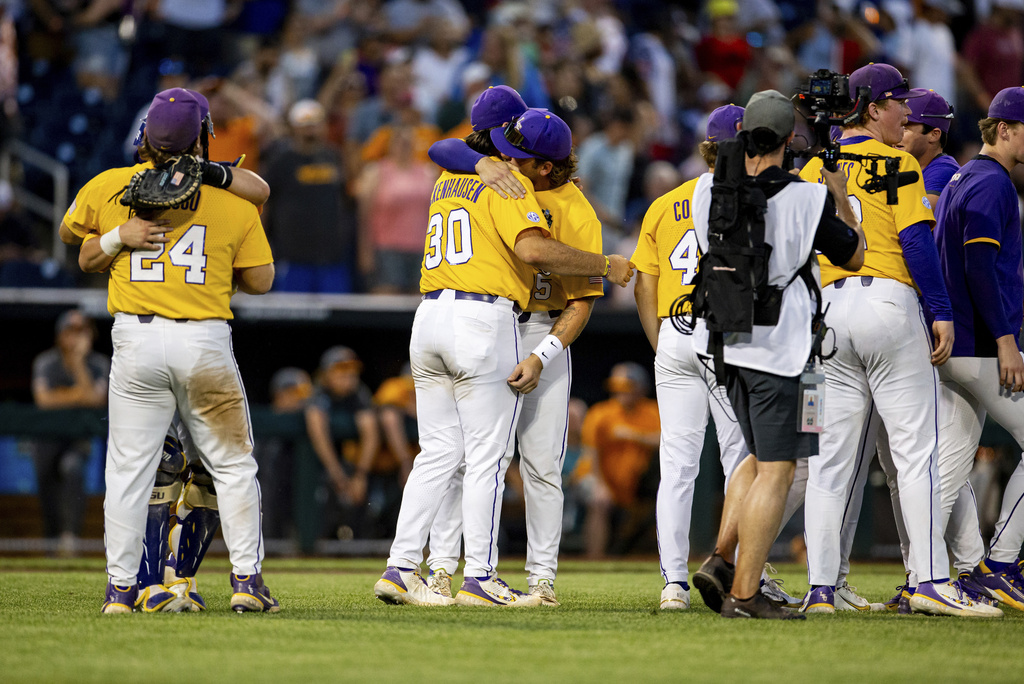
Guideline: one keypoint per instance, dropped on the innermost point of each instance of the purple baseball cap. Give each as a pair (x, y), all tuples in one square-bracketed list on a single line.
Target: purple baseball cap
[(723, 122), (537, 133), (930, 109), (174, 120), (496, 106), (886, 82), (1008, 104), (204, 111)]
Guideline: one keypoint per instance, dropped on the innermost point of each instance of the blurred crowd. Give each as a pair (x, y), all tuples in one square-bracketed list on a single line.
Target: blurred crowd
[(335, 102)]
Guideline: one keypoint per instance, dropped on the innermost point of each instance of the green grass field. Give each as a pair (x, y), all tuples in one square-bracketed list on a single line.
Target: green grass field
[(608, 629)]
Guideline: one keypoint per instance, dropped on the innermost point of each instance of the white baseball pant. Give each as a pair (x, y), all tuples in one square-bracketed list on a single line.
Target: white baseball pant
[(687, 394), (970, 390), (461, 353), (541, 433), (159, 366), (883, 352)]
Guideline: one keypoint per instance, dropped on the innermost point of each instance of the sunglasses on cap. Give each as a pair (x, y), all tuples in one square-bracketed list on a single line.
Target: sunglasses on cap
[(939, 116), (516, 139)]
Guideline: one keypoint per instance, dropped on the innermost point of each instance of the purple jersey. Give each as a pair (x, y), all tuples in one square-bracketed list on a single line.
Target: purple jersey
[(938, 172), (980, 206)]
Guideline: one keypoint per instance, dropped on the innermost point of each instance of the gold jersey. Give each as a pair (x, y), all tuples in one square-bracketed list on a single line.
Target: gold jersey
[(191, 276), (471, 237), (667, 247), (882, 223), (571, 220)]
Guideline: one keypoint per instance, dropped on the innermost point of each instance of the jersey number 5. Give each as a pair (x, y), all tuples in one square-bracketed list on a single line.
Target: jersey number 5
[(685, 256), (449, 240), (188, 252)]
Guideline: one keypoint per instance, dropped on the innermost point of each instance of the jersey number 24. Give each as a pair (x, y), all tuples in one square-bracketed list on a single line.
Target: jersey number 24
[(188, 252)]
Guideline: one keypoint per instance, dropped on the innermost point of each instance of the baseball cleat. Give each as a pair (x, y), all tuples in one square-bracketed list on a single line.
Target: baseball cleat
[(772, 589), (714, 581), (946, 598), (900, 601), (545, 589), (1006, 586), (974, 591), (493, 593), (251, 595), (674, 597), (846, 598), (185, 587), (156, 598), (819, 600), (757, 607), (440, 582), (401, 586), (119, 599)]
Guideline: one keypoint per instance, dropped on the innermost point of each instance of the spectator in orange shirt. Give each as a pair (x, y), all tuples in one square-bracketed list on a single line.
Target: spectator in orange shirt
[(396, 411), (620, 438)]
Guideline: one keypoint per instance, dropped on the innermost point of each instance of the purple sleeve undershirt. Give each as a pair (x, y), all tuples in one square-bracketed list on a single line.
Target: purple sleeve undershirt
[(983, 286), (455, 155), (923, 262)]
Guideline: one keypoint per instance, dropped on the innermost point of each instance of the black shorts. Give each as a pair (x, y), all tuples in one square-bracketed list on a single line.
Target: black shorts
[(766, 407)]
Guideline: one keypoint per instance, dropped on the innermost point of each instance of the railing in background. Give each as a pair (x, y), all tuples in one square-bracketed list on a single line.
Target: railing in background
[(52, 211)]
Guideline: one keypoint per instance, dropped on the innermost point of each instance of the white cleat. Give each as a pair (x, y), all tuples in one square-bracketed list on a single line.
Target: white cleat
[(947, 598), (674, 597), (846, 598), (773, 591), (440, 582), (407, 587), (545, 589), (493, 592)]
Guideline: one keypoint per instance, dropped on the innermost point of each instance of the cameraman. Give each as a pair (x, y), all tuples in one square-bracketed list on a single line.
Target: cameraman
[(763, 367), (882, 358)]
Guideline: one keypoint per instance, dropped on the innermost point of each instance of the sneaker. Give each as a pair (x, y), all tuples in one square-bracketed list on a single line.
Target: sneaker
[(759, 607), (119, 599), (156, 598), (946, 598), (674, 597), (397, 586), (900, 598), (847, 598), (772, 589), (714, 581), (819, 600), (251, 595), (974, 591), (545, 589), (1007, 586), (185, 587), (440, 582), (493, 592)]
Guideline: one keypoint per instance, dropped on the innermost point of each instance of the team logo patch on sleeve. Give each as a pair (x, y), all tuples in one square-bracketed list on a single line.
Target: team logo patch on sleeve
[(533, 216), (926, 203)]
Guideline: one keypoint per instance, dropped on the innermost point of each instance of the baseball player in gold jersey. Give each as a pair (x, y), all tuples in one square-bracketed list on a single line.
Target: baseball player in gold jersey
[(883, 355), (476, 278), (559, 306), (170, 295)]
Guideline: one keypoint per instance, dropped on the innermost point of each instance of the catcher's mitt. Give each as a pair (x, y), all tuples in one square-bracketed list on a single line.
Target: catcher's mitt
[(169, 184)]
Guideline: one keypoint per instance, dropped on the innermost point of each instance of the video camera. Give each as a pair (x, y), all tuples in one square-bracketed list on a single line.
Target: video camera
[(825, 101)]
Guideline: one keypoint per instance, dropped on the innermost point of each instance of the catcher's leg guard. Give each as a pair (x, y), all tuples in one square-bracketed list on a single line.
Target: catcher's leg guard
[(198, 519), (165, 492)]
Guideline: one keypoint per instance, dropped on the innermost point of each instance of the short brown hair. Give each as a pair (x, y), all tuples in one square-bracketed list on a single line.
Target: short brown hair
[(149, 153), (563, 171), (990, 128), (709, 151), (480, 141)]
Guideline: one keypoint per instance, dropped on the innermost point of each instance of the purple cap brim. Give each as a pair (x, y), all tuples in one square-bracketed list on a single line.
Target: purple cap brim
[(507, 148)]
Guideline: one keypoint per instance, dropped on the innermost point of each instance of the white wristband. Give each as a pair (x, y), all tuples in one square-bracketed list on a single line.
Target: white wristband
[(111, 243), (548, 350)]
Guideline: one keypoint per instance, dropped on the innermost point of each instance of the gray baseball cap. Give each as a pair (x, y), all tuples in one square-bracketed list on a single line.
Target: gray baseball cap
[(769, 109)]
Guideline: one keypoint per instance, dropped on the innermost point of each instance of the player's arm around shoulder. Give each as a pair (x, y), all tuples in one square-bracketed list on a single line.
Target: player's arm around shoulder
[(98, 253)]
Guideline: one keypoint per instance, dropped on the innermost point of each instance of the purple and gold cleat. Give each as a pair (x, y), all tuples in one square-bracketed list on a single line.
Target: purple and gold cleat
[(819, 600), (947, 598), (119, 599), (973, 590), (185, 587), (156, 598), (399, 586), (1006, 586), (494, 593), (251, 595)]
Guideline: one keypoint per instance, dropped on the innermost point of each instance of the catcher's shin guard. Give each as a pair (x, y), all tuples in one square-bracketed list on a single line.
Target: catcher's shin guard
[(199, 519), (156, 545)]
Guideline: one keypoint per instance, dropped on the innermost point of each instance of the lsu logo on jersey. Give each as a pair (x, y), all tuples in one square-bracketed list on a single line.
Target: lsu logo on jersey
[(532, 216), (926, 203)]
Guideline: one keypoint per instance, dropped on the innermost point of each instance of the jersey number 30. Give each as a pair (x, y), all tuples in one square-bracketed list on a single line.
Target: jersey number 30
[(188, 252), (449, 240), (685, 256)]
